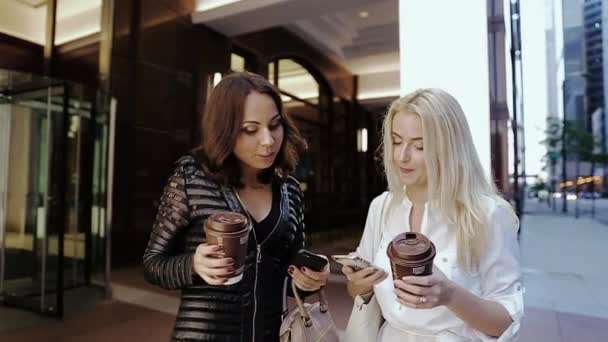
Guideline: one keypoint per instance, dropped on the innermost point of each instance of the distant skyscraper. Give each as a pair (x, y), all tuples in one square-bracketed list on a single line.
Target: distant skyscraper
[(577, 37), (604, 26), (596, 19), (574, 61), (605, 59), (555, 58), (555, 82), (594, 55)]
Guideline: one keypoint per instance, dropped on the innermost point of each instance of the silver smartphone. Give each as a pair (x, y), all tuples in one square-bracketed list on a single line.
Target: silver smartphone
[(352, 260)]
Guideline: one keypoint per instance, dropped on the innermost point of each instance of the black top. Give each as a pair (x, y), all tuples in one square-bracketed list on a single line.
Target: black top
[(249, 310), (267, 225)]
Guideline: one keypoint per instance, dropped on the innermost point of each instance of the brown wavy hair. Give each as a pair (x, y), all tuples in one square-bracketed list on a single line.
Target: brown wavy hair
[(221, 126)]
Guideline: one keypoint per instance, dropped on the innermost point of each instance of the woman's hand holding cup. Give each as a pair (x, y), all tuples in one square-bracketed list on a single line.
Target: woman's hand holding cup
[(211, 264), (425, 291)]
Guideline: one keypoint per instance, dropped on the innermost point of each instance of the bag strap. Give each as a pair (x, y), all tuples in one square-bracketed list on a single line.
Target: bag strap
[(321, 293), (379, 230), (323, 304), (285, 311)]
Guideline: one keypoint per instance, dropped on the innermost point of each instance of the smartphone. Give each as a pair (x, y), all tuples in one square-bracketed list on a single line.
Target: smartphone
[(309, 259), (352, 260)]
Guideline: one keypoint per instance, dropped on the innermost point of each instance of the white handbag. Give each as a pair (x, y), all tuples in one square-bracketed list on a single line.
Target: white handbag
[(364, 322), (307, 322), (365, 319)]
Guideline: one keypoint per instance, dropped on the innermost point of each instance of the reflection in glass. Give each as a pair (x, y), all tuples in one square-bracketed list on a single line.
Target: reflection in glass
[(295, 80), (52, 190), (300, 95)]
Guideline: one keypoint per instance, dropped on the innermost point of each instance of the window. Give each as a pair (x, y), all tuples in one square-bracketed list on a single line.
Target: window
[(237, 62), (295, 80)]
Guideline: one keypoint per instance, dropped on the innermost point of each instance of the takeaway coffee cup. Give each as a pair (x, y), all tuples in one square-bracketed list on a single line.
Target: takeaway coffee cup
[(231, 232), (411, 254)]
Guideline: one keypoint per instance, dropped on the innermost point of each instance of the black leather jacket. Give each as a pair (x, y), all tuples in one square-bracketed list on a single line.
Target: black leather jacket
[(246, 311)]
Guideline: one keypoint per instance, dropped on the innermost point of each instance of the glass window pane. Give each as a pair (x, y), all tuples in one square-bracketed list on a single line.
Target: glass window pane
[(297, 81), (34, 245), (237, 63), (271, 72)]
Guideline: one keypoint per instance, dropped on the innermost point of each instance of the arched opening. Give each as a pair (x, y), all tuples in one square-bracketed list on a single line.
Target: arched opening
[(306, 100)]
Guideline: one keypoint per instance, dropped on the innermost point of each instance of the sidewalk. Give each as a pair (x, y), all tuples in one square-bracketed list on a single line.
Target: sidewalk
[(563, 260), (564, 263)]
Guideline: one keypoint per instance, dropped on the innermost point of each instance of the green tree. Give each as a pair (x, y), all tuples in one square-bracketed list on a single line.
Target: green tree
[(572, 139), (553, 141)]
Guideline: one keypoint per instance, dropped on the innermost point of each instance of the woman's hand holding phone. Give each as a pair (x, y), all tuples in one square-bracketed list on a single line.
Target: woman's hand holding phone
[(309, 271), (361, 281)]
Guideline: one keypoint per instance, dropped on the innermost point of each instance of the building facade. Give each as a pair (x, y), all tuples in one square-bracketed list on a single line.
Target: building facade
[(594, 54), (129, 92)]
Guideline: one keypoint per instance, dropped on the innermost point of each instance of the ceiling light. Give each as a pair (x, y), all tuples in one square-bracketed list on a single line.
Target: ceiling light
[(364, 14)]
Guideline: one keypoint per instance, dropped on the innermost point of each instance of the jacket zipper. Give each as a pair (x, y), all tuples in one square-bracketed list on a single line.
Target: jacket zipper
[(258, 253)]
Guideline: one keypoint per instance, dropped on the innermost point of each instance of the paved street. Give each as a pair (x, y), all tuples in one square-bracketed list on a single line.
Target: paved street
[(585, 208)]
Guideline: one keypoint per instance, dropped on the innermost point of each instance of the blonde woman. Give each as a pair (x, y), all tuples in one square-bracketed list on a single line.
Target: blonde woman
[(437, 187)]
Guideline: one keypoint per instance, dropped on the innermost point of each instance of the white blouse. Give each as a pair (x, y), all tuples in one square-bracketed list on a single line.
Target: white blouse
[(498, 278)]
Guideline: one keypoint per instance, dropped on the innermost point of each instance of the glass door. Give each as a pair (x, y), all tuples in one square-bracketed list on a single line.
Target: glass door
[(54, 236), (32, 236)]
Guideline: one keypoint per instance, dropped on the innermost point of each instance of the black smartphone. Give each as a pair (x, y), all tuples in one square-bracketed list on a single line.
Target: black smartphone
[(309, 259)]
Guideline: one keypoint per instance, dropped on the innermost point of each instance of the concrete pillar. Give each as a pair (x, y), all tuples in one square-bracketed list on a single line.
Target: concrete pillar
[(444, 44)]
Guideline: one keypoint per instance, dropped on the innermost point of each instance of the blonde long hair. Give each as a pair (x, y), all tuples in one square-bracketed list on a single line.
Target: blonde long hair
[(458, 187)]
